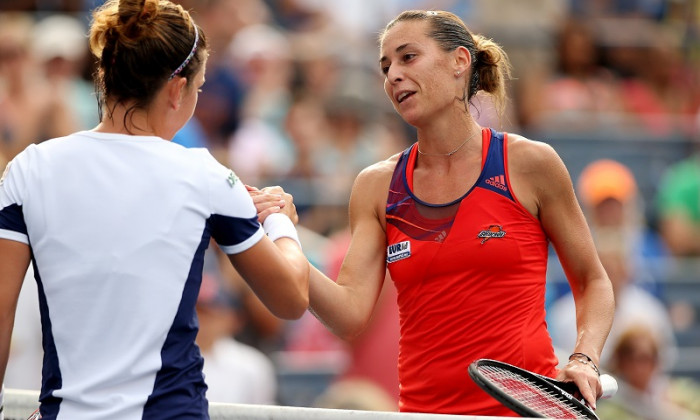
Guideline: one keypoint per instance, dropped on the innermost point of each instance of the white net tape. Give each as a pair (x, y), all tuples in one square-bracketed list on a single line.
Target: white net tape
[(20, 404)]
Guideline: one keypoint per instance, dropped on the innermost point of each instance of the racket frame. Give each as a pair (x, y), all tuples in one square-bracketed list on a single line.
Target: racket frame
[(512, 403)]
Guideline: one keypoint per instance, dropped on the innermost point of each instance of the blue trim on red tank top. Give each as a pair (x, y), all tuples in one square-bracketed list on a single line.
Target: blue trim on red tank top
[(413, 196), (495, 148)]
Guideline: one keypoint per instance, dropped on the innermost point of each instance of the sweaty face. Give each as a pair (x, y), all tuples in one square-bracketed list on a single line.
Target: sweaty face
[(419, 75)]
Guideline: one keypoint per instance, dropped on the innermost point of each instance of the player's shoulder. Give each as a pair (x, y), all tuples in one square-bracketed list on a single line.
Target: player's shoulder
[(372, 185), (33, 159), (533, 157), (213, 169), (379, 172), (530, 150), (24, 159), (201, 155), (187, 159), (47, 146)]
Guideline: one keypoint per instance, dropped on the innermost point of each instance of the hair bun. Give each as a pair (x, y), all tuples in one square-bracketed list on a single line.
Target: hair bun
[(149, 11), (135, 17)]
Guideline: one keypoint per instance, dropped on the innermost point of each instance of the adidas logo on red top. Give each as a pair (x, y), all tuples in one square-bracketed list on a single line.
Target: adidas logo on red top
[(498, 181)]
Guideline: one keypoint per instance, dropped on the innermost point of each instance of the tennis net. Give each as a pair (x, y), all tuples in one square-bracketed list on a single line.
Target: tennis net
[(19, 404)]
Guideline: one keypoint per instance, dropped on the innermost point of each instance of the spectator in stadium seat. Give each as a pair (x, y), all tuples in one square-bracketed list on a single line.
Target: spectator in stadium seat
[(578, 93), (259, 147), (647, 391), (678, 207), (661, 92), (218, 110), (116, 221), (611, 200), (31, 107), (59, 47)]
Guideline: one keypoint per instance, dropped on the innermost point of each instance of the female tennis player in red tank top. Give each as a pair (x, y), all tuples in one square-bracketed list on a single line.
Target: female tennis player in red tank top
[(462, 219)]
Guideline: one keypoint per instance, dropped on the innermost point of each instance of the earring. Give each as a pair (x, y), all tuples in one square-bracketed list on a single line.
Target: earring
[(458, 73)]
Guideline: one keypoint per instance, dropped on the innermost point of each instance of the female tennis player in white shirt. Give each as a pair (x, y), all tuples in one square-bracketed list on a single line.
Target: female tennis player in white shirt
[(116, 221)]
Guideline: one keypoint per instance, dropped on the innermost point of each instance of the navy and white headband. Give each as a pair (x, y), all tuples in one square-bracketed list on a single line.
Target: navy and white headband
[(191, 54)]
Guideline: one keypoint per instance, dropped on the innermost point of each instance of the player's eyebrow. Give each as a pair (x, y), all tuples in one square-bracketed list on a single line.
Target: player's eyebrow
[(398, 50)]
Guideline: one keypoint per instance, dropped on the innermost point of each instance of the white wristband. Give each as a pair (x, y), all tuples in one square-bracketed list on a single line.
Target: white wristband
[(278, 225)]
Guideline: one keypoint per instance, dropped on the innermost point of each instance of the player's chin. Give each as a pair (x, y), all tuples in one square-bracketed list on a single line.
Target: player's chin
[(411, 117)]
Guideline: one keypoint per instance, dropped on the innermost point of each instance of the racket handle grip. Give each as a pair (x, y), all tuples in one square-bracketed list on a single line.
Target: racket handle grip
[(609, 385)]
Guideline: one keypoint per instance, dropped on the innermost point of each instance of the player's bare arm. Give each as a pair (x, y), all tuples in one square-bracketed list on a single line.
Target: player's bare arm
[(546, 191), (282, 283), (362, 273), (14, 261)]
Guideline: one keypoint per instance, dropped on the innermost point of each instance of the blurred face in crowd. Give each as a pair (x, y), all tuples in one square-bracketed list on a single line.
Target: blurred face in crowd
[(637, 360), (577, 49), (13, 57), (419, 78), (609, 212)]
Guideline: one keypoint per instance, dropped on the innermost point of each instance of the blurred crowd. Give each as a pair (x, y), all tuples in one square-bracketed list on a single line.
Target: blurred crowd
[(294, 97)]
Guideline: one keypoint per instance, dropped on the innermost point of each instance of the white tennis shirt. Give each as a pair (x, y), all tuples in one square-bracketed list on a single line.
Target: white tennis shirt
[(118, 226)]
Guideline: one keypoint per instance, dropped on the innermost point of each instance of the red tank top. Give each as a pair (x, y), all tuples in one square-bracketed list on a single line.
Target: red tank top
[(470, 277)]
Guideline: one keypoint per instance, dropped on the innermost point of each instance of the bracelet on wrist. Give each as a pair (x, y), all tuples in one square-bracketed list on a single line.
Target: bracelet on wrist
[(584, 359)]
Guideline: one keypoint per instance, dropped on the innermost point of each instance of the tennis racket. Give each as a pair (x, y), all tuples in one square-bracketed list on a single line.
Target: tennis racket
[(533, 395), (35, 415)]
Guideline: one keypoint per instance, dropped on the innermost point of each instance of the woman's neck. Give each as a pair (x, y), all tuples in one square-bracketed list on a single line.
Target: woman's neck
[(445, 136), (127, 119)]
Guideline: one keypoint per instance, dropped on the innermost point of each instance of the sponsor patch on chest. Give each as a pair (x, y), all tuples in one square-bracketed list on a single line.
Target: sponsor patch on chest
[(398, 251), (493, 231)]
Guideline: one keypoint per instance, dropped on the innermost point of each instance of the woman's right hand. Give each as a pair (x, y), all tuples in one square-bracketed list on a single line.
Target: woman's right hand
[(271, 200)]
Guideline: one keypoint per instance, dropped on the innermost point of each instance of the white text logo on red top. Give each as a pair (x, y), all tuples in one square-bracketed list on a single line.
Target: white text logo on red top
[(399, 251)]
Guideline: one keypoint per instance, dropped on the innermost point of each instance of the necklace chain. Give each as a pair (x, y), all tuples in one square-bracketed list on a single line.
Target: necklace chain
[(452, 152)]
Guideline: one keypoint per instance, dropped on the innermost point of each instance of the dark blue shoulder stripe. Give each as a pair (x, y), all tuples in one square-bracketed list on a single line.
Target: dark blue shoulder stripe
[(12, 218), (398, 189), (493, 176)]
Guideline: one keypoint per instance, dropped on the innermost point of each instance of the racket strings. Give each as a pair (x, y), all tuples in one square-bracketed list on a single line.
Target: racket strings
[(541, 399)]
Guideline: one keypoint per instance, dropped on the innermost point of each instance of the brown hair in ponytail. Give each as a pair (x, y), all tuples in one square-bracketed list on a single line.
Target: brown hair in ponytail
[(138, 45)]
